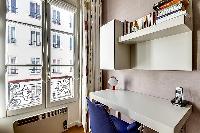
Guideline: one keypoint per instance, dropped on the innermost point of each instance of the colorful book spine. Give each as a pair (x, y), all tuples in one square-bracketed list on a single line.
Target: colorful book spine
[(159, 4), (170, 3), (171, 16), (169, 10), (173, 2)]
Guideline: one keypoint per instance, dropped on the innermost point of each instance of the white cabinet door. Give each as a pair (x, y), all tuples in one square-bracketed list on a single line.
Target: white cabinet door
[(107, 46), (112, 55)]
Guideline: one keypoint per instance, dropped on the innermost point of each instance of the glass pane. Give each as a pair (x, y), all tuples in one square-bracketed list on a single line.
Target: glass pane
[(62, 53), (23, 47), (24, 87), (62, 48), (23, 31), (62, 83), (62, 19)]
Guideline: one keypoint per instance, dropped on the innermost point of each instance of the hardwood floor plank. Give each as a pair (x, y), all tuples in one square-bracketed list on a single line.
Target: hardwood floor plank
[(75, 129)]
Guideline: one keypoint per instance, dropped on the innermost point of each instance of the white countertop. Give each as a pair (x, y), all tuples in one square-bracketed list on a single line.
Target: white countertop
[(155, 113)]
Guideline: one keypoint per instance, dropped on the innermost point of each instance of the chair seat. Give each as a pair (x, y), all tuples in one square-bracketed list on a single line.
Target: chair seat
[(124, 127), (102, 122)]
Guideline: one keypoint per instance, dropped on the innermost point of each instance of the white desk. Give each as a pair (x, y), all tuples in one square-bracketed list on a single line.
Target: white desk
[(155, 113)]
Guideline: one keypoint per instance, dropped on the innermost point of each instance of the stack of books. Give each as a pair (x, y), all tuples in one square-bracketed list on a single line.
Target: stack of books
[(168, 9)]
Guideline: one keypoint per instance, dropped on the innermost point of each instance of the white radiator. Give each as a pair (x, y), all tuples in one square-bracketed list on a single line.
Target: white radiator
[(50, 122)]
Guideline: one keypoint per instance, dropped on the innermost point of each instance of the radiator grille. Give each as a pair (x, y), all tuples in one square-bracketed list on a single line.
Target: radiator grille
[(50, 122)]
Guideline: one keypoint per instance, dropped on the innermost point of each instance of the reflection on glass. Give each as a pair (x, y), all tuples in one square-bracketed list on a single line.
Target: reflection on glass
[(62, 83), (62, 54), (24, 90), (23, 47)]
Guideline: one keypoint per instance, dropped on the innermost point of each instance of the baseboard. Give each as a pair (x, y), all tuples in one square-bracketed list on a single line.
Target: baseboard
[(76, 123)]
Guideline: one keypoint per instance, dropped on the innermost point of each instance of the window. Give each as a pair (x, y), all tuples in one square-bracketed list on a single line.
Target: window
[(56, 67), (35, 61), (62, 66), (11, 6), (12, 70), (12, 60), (56, 17), (25, 60), (56, 41), (11, 34), (24, 75), (38, 41), (35, 10), (35, 69), (35, 38)]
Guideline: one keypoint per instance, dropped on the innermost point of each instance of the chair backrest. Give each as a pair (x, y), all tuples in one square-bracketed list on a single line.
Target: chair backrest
[(100, 121)]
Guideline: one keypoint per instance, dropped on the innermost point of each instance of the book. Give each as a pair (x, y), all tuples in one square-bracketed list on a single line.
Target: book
[(171, 3), (170, 10), (171, 16), (160, 3)]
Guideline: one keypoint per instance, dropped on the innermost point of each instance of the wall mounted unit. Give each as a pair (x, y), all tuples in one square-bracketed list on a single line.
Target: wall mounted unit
[(51, 122), (112, 55)]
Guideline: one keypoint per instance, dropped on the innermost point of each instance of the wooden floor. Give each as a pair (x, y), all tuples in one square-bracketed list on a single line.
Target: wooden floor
[(75, 129)]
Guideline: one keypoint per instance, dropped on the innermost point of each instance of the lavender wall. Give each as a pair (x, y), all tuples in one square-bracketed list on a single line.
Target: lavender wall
[(157, 83)]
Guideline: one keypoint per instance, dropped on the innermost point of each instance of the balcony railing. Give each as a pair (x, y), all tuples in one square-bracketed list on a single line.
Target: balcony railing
[(28, 92)]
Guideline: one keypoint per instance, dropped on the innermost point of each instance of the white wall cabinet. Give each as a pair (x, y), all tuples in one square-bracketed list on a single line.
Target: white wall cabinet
[(165, 46), (113, 56)]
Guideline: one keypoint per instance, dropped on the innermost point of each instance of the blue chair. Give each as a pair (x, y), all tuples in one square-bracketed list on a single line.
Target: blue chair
[(102, 122)]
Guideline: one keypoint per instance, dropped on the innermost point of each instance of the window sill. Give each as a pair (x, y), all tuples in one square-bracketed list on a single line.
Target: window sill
[(40, 109)]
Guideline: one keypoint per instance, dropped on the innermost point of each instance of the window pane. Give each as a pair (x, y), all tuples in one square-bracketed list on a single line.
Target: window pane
[(62, 53), (23, 38), (13, 6), (23, 32), (62, 47), (23, 47), (62, 19), (24, 88), (62, 83)]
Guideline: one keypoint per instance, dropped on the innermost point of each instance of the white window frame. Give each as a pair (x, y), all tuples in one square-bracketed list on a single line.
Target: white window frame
[(35, 38), (46, 95), (56, 44), (74, 65), (11, 34)]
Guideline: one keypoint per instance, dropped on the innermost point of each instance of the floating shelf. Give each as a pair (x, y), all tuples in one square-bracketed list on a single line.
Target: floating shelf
[(174, 26)]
